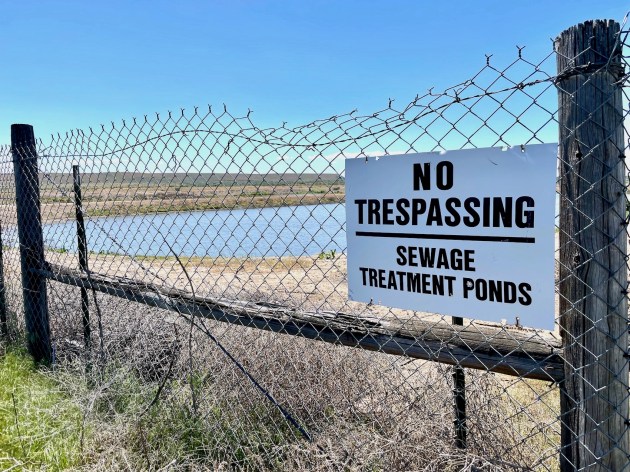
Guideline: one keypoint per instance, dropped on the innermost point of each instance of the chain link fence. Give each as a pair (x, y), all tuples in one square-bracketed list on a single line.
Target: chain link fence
[(191, 271)]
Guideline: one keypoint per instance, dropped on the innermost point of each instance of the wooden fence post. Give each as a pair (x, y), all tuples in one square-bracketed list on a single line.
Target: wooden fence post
[(31, 239), (83, 255), (459, 398), (593, 249)]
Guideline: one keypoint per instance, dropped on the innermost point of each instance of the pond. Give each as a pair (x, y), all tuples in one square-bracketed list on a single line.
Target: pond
[(256, 232)]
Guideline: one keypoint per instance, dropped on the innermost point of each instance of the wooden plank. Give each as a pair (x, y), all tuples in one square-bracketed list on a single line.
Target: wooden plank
[(593, 239), (530, 354)]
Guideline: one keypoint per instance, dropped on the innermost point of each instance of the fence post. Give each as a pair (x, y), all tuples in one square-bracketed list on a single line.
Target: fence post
[(459, 394), (593, 249), (4, 327), (31, 239), (83, 258)]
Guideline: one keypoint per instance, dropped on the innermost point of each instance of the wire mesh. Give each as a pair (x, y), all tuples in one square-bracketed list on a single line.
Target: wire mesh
[(214, 287), (593, 237)]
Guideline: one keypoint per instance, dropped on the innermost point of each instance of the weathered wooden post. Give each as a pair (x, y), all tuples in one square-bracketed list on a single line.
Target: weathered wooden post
[(459, 398), (593, 249), (31, 239), (83, 256)]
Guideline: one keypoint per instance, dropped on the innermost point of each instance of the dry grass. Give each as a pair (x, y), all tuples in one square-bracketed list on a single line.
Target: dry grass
[(363, 410)]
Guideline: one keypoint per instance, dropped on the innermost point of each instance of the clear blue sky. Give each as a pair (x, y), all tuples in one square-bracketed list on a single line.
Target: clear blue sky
[(74, 64)]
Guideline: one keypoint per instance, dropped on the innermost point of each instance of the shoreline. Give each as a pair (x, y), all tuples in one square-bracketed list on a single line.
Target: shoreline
[(53, 213)]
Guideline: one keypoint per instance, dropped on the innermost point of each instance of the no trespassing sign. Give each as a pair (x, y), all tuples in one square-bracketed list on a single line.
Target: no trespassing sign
[(465, 233)]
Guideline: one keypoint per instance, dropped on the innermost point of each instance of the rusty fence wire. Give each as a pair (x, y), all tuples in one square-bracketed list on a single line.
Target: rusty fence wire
[(192, 272)]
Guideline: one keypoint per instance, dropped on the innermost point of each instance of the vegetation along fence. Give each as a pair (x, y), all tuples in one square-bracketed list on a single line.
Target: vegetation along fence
[(191, 268)]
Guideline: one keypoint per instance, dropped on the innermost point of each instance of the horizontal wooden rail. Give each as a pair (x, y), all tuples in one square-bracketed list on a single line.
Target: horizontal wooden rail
[(511, 351)]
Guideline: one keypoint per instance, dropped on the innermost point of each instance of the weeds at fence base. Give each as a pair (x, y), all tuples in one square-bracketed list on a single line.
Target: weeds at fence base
[(233, 430)]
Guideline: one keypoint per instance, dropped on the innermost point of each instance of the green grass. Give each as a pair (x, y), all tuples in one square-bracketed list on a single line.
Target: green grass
[(328, 254), (60, 250), (39, 426)]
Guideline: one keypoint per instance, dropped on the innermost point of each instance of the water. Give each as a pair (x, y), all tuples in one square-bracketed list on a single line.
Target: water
[(256, 232)]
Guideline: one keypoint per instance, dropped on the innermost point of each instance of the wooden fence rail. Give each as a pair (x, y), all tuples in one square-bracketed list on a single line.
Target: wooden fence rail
[(511, 351)]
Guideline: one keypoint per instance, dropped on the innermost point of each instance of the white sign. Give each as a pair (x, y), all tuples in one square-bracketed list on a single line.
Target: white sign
[(465, 233)]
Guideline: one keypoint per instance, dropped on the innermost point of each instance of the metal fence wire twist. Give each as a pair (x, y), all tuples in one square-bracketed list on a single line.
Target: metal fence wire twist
[(194, 269)]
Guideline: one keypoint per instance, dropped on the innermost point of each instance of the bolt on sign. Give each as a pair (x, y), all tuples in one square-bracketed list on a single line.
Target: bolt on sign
[(465, 233)]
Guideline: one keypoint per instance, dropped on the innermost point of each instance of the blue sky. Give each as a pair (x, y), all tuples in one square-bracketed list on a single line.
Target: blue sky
[(74, 64)]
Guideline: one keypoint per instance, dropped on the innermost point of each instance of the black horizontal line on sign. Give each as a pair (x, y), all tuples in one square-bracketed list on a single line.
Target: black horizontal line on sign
[(451, 237)]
